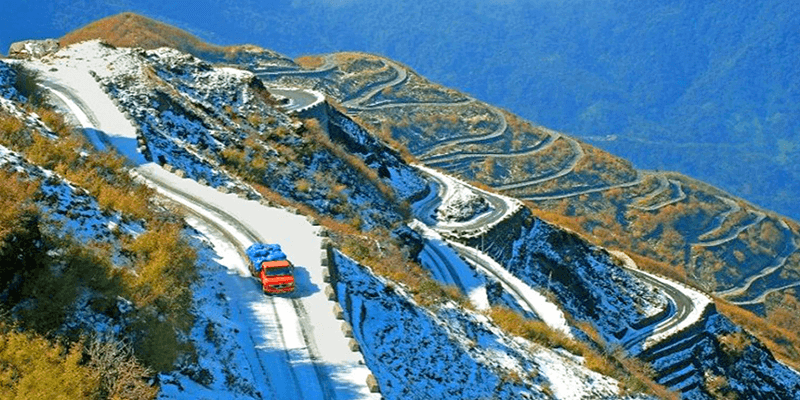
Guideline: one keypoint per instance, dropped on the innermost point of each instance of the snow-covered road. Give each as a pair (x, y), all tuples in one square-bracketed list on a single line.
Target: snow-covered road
[(295, 341), (298, 99), (687, 305), (453, 263)]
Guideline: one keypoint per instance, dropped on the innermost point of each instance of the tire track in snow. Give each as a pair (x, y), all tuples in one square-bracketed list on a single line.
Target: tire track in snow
[(279, 313)]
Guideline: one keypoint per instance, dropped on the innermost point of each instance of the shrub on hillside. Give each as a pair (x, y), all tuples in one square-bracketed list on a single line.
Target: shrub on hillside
[(26, 81), (33, 368), (120, 373), (162, 260)]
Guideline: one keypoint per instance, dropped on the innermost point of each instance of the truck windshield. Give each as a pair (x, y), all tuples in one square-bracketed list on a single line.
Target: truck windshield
[(277, 271)]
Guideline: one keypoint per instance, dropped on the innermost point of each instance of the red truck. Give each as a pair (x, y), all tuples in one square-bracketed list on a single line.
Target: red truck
[(269, 264)]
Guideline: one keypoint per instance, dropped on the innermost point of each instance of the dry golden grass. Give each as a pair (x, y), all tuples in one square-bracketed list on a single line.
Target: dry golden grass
[(320, 137), (15, 200), (31, 367), (782, 342), (382, 132), (535, 331), (132, 30), (162, 261), (310, 62), (634, 375), (389, 260)]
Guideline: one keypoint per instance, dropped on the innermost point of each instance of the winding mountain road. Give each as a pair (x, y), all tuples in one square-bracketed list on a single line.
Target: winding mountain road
[(298, 99), (442, 159), (679, 196), (578, 152), (682, 307), (295, 354), (682, 311), (357, 103), (579, 192), (742, 294), (733, 207), (734, 233), (327, 65), (663, 185)]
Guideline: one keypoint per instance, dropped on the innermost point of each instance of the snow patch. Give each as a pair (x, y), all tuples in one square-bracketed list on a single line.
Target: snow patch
[(528, 298)]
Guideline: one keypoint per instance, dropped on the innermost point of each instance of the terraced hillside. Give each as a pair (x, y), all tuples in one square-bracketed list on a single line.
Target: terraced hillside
[(677, 225)]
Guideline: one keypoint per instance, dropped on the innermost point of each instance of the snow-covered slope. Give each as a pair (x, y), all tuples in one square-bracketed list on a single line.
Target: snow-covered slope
[(282, 346), (452, 353)]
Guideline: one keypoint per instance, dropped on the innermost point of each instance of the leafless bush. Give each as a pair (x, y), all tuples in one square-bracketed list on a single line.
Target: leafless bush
[(121, 374)]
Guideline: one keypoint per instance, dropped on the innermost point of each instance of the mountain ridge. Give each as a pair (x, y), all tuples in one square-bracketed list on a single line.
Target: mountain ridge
[(129, 29)]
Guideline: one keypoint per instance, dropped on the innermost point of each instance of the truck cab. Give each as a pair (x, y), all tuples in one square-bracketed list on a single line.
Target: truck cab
[(270, 265), (277, 276)]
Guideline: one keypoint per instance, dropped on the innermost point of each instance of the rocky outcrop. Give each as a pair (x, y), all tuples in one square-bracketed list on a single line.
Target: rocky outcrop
[(33, 48)]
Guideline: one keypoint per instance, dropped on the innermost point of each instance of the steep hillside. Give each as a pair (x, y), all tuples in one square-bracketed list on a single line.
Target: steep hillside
[(219, 128), (723, 244)]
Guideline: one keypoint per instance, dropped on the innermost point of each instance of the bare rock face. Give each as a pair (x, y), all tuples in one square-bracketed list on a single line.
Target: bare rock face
[(33, 48)]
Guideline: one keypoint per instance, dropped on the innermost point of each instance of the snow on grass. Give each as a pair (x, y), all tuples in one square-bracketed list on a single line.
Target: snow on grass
[(570, 383), (69, 69), (74, 210), (226, 368), (527, 297), (7, 90), (452, 353), (310, 349)]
